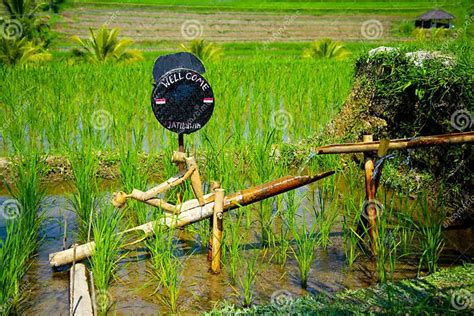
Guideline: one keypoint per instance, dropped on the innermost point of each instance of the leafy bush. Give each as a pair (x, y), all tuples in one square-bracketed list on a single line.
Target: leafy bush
[(21, 52), (206, 51), (327, 48), (104, 45)]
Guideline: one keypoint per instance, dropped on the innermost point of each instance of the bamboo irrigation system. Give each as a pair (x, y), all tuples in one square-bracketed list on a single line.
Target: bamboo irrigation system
[(192, 211)]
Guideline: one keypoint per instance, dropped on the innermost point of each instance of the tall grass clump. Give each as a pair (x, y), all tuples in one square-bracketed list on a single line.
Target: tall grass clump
[(306, 242), (23, 220), (106, 257), (83, 201)]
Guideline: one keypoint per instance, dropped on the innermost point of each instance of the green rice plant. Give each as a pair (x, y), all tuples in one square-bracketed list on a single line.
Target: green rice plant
[(23, 218), (325, 218), (232, 244), (388, 242), (306, 242), (287, 214), (247, 279), (83, 202), (133, 175), (107, 254), (350, 226), (165, 266), (428, 224), (405, 230)]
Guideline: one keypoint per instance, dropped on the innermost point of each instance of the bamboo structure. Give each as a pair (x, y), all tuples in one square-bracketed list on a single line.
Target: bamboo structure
[(192, 211), (397, 144), (217, 228), (369, 147)]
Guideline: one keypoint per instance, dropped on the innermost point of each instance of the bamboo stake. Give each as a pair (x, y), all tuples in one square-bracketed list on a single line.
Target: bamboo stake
[(217, 227), (214, 185), (370, 191), (398, 144), (192, 212)]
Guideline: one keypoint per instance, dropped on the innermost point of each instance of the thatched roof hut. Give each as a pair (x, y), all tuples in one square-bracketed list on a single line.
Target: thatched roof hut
[(434, 18)]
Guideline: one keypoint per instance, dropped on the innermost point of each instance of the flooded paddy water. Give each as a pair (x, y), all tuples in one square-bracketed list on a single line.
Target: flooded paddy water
[(133, 293)]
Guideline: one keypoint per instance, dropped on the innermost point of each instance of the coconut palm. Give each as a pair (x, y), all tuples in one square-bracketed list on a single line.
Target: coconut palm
[(21, 51), (104, 45), (206, 51), (327, 48)]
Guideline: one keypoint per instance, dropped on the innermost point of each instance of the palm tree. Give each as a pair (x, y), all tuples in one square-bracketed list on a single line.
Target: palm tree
[(327, 48), (21, 51), (104, 45), (205, 51)]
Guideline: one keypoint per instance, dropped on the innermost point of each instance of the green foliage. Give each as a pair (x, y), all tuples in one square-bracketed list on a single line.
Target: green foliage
[(104, 45), (21, 52), (205, 51), (327, 49)]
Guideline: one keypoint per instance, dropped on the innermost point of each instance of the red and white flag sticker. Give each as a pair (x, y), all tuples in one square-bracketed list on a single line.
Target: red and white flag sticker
[(208, 100), (160, 101)]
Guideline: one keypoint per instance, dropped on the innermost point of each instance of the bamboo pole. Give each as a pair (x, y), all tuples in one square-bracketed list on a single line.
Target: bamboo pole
[(217, 227), (81, 304), (214, 185), (370, 192), (398, 144), (192, 212)]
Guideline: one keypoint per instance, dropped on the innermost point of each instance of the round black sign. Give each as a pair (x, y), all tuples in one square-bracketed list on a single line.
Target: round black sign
[(182, 101)]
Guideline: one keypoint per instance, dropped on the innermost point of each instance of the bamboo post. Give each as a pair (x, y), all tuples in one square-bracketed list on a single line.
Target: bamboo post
[(370, 192), (217, 231), (214, 185)]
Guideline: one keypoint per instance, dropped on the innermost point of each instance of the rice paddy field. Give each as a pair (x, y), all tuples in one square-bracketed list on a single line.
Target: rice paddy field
[(73, 132)]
